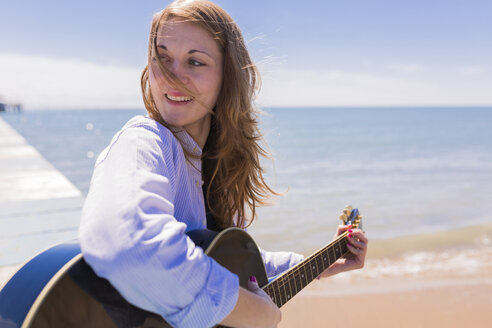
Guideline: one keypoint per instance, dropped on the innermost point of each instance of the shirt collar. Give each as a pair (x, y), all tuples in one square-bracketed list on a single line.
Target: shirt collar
[(189, 146)]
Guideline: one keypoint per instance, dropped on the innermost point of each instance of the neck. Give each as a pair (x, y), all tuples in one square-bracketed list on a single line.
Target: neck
[(283, 288), (199, 130)]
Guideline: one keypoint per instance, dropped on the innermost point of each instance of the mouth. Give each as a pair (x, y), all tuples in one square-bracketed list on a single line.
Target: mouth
[(179, 99)]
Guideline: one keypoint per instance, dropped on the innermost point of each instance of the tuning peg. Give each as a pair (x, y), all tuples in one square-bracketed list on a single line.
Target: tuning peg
[(357, 220), (343, 217)]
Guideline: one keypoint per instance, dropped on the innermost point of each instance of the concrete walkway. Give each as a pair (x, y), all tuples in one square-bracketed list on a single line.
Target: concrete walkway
[(39, 206)]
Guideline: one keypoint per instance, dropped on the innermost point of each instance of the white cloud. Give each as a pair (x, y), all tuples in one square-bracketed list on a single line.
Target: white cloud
[(297, 87), (39, 82), (406, 68), (474, 70)]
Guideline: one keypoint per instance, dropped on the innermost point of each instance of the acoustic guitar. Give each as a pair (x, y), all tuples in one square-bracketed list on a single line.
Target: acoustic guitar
[(57, 288)]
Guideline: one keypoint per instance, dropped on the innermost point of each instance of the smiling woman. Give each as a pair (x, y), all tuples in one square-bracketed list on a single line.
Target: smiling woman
[(194, 163)]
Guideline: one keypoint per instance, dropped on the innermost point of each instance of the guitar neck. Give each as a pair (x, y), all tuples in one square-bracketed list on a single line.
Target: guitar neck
[(282, 289)]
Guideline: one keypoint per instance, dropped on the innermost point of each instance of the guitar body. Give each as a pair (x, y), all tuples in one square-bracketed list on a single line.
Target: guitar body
[(57, 288)]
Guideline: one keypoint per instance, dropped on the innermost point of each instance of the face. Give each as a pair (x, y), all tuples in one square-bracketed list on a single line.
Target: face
[(195, 58)]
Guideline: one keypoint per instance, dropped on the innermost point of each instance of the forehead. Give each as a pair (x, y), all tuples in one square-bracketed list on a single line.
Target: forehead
[(183, 33)]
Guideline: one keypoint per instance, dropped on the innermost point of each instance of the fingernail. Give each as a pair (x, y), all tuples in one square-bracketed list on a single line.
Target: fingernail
[(252, 279), (349, 230), (350, 235)]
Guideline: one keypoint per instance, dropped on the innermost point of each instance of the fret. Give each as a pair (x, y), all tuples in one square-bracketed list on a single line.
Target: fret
[(269, 290), (315, 268), (314, 265), (328, 256), (331, 255), (293, 283), (298, 281), (304, 280), (338, 251), (344, 245), (326, 261), (283, 292), (276, 293), (309, 272), (319, 264), (291, 291)]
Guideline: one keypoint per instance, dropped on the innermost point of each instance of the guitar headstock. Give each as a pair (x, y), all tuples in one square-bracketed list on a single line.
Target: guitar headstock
[(351, 216)]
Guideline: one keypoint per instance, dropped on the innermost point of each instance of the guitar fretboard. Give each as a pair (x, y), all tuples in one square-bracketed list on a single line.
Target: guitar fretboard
[(282, 289)]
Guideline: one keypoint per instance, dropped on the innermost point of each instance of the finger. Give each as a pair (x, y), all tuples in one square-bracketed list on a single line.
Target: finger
[(354, 250), (341, 229), (360, 235), (353, 241), (253, 284)]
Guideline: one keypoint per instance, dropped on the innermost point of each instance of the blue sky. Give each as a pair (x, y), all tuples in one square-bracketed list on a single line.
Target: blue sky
[(80, 54)]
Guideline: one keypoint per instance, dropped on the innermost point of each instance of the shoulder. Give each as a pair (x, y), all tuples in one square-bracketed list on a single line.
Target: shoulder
[(143, 136), (143, 126)]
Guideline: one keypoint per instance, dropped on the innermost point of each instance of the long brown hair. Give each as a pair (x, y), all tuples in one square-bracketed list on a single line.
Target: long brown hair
[(231, 160)]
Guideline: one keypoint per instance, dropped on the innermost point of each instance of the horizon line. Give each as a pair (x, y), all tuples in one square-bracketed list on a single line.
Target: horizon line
[(270, 107)]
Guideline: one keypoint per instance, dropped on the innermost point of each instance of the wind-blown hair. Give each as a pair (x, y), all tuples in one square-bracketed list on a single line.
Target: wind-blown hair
[(231, 167)]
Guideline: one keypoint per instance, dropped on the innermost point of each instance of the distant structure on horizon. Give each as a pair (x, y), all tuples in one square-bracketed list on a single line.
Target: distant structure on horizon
[(11, 107)]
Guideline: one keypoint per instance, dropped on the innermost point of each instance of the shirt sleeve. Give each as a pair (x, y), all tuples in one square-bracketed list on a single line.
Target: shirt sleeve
[(128, 235), (278, 262)]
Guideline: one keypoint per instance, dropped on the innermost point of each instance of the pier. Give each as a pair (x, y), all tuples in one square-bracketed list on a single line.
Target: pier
[(39, 206)]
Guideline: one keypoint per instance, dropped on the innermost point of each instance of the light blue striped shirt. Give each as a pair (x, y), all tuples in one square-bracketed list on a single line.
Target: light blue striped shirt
[(144, 196)]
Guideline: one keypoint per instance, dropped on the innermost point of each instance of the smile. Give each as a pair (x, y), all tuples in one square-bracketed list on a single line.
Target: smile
[(179, 99)]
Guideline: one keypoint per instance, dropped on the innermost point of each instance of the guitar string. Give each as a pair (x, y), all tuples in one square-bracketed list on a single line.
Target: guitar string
[(314, 262)]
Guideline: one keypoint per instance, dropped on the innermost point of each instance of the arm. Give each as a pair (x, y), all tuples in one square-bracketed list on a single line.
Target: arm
[(129, 235), (278, 262)]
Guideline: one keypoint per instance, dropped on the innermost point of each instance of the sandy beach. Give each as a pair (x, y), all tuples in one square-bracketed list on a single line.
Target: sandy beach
[(447, 288), (432, 304)]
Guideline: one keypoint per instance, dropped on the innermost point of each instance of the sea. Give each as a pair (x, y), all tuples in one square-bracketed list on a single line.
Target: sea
[(420, 176)]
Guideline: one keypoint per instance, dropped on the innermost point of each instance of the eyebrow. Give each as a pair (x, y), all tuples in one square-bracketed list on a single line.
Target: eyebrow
[(192, 51)]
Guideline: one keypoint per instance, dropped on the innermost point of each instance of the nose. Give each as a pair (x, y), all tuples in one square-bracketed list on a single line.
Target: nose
[(180, 72)]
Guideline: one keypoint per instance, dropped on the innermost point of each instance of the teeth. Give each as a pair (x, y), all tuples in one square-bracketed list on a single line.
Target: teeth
[(181, 98)]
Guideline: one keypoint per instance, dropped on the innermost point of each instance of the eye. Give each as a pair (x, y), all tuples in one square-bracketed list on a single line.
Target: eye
[(164, 58), (196, 63)]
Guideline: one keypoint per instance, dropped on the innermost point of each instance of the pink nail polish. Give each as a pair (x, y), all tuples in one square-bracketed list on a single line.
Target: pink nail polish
[(350, 230), (350, 235), (252, 279)]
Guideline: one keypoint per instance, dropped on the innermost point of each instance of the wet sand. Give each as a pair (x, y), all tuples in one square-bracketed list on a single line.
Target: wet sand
[(455, 305), (456, 291)]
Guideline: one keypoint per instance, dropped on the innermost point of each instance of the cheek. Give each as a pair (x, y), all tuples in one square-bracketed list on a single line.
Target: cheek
[(156, 81), (154, 74), (215, 85)]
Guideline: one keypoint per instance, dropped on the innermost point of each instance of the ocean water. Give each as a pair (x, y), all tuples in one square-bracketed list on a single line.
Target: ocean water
[(410, 171)]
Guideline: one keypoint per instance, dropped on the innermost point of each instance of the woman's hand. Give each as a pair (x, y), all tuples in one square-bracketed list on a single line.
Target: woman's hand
[(357, 246)]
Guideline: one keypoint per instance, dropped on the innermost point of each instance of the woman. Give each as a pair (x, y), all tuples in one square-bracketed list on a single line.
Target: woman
[(194, 159)]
